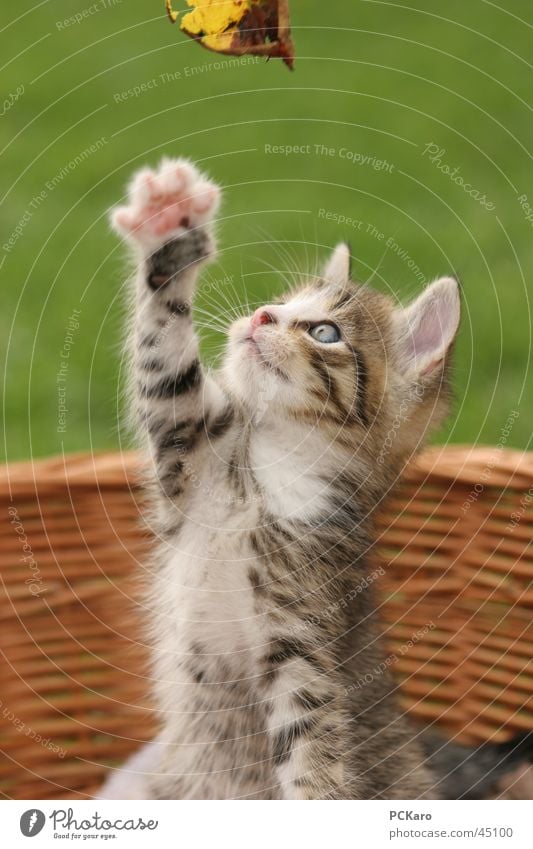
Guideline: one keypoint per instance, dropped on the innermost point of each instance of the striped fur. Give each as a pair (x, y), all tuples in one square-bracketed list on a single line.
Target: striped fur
[(265, 481)]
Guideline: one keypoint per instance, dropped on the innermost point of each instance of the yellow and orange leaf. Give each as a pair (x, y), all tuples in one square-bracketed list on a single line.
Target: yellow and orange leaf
[(238, 27)]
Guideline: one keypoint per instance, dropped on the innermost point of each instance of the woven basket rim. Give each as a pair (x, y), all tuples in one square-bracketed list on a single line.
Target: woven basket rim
[(457, 462)]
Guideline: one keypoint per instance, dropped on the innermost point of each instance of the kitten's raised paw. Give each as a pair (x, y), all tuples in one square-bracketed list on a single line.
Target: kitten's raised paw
[(165, 203)]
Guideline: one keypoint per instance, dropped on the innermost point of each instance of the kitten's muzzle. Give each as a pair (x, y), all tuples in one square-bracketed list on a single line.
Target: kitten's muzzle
[(260, 317)]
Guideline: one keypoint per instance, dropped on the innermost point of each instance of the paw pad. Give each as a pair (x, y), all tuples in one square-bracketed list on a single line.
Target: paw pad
[(165, 203)]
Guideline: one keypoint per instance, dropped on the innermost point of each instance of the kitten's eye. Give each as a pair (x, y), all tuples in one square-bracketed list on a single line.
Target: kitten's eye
[(325, 333)]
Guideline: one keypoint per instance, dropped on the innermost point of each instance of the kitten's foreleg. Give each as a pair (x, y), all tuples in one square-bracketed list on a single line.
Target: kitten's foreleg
[(168, 221)]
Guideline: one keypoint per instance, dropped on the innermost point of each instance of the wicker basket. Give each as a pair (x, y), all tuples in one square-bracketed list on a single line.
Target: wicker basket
[(458, 606)]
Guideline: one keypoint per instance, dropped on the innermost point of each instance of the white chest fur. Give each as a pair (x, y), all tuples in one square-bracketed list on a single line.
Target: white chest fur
[(205, 600), (291, 464)]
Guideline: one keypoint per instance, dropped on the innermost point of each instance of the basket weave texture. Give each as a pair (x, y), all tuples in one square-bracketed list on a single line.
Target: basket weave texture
[(457, 594)]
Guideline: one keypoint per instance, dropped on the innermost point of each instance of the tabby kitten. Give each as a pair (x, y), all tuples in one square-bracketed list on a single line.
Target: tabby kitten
[(266, 478)]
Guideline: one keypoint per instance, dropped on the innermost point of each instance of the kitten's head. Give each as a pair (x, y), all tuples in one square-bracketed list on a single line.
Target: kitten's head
[(338, 355)]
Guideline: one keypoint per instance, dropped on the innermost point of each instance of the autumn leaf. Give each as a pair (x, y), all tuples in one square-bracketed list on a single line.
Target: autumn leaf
[(170, 11), (239, 27)]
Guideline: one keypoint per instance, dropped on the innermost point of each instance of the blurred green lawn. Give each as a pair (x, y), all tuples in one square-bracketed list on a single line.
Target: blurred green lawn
[(373, 81)]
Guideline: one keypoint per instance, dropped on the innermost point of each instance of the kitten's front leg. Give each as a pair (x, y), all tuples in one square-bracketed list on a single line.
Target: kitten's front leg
[(308, 723), (168, 222)]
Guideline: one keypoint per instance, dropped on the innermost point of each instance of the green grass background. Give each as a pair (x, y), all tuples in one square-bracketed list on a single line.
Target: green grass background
[(378, 78)]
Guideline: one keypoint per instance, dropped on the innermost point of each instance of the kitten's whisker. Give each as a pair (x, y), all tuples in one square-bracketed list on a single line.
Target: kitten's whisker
[(215, 301), (211, 329), (288, 283), (287, 259), (231, 310), (219, 317), (203, 323), (381, 259), (308, 265), (204, 320), (245, 290), (244, 308)]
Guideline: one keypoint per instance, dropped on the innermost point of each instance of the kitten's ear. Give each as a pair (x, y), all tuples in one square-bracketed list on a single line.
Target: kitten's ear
[(337, 268), (428, 326)]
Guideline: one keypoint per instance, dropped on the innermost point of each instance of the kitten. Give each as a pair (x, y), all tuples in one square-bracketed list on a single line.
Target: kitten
[(265, 480)]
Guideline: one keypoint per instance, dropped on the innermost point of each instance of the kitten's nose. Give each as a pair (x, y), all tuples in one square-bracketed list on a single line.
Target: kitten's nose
[(262, 316)]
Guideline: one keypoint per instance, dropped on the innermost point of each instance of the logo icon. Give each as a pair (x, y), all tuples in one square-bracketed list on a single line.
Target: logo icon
[(32, 822)]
